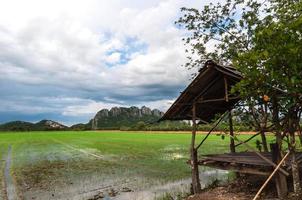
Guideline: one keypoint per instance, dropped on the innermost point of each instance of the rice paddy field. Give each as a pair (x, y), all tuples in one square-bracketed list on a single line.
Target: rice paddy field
[(96, 165)]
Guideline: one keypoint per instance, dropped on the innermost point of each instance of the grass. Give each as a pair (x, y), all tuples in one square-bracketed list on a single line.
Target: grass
[(56, 160)]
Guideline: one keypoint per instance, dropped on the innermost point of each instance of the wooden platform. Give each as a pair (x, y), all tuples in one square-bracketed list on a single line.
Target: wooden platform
[(243, 162)]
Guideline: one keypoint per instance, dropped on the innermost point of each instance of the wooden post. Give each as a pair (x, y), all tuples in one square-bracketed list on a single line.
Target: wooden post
[(196, 188), (300, 133), (212, 129), (280, 179), (232, 142), (263, 138), (276, 121), (226, 89), (247, 140), (263, 125), (292, 148)]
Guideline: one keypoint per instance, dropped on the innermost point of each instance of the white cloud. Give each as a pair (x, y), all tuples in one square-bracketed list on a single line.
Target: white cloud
[(88, 109), (162, 105), (68, 51), (68, 44), (114, 58)]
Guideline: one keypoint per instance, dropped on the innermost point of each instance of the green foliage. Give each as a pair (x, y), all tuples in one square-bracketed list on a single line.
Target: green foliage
[(228, 26), (183, 126), (140, 125), (16, 126), (275, 59), (263, 41), (81, 127), (159, 126), (170, 126)]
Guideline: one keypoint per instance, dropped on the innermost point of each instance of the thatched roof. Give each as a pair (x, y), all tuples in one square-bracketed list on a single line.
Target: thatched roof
[(208, 91)]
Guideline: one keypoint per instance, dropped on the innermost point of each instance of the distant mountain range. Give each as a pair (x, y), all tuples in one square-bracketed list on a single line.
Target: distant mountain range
[(42, 125), (115, 118)]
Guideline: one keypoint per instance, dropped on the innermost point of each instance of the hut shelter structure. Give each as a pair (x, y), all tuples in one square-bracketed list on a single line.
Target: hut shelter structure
[(207, 96)]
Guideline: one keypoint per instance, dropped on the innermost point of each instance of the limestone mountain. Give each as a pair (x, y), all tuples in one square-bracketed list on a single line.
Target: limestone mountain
[(50, 125), (117, 117)]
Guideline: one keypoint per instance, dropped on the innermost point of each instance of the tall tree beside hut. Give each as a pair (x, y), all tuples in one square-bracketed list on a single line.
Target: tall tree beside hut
[(263, 40)]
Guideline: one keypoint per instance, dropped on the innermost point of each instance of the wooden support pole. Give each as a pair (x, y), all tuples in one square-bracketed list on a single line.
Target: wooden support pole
[(247, 140), (292, 121), (194, 128), (299, 133), (263, 138), (216, 124), (270, 177), (217, 100), (263, 125), (280, 179), (232, 141), (292, 149), (196, 188), (276, 121), (226, 89), (263, 157)]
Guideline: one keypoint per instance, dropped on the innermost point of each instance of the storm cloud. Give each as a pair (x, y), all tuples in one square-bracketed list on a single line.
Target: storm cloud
[(65, 60)]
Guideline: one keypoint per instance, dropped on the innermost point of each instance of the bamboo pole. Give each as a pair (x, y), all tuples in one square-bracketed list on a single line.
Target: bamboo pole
[(232, 141), (270, 177), (226, 88), (247, 139), (217, 100), (212, 129)]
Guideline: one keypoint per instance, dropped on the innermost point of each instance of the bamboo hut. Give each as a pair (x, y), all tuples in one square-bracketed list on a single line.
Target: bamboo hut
[(207, 96)]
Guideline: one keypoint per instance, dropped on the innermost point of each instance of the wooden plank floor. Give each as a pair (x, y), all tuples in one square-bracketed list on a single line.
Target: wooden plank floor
[(245, 162)]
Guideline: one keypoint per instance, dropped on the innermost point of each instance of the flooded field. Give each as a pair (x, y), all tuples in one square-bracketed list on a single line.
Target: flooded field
[(100, 165)]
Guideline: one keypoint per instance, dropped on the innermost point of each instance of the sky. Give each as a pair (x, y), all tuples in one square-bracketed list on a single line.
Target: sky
[(66, 59)]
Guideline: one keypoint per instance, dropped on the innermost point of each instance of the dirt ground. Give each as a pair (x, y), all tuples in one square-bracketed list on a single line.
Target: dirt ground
[(177, 132), (220, 193), (243, 188)]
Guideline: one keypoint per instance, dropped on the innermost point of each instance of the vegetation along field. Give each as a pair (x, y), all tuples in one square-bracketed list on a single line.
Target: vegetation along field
[(81, 165)]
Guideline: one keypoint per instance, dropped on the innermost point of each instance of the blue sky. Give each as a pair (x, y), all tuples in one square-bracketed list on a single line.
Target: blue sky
[(65, 59)]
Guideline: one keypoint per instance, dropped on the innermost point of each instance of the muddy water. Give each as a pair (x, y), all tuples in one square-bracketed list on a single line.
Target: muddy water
[(116, 186), (124, 189), (173, 188), (10, 188)]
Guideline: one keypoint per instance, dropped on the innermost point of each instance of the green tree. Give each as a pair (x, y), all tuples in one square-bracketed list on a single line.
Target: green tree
[(263, 40), (276, 62), (140, 125)]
